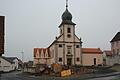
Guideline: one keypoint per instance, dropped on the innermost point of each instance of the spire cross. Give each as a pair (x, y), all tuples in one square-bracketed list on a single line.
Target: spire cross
[(66, 3)]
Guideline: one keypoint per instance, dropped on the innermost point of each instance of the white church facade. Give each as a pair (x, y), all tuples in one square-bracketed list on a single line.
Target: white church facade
[(67, 46)]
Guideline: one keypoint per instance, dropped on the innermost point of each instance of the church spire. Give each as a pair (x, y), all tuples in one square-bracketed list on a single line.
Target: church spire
[(66, 4), (67, 16)]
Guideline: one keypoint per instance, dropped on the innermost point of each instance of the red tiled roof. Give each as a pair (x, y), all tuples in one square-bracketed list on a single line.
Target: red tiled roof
[(91, 51), (40, 50)]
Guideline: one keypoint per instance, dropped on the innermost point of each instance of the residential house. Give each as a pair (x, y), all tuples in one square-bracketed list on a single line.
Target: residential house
[(115, 44), (115, 48), (9, 64), (112, 56), (28, 64), (41, 56)]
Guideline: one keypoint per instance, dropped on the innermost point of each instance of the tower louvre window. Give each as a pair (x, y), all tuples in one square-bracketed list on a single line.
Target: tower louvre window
[(69, 30), (69, 36)]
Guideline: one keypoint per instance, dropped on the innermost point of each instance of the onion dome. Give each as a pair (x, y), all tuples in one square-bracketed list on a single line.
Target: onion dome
[(66, 15), (67, 18)]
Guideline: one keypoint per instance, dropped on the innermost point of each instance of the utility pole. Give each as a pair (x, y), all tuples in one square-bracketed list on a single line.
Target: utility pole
[(22, 56), (22, 61)]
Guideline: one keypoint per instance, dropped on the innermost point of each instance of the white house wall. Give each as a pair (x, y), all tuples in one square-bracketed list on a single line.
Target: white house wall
[(16, 63), (6, 66)]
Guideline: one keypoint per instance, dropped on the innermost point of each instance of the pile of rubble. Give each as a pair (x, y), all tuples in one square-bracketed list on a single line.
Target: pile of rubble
[(58, 70)]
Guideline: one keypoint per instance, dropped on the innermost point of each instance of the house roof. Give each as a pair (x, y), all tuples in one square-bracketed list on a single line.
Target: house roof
[(10, 59), (91, 51), (41, 51), (108, 52), (116, 37)]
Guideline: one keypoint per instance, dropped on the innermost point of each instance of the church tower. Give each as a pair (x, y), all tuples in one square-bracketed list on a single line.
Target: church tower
[(66, 49)]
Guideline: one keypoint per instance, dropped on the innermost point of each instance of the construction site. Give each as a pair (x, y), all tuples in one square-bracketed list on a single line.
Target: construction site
[(58, 70)]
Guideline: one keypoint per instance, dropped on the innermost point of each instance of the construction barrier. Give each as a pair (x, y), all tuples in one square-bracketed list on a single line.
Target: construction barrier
[(66, 73)]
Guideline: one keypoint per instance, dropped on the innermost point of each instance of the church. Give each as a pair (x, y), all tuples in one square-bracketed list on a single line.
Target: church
[(66, 49)]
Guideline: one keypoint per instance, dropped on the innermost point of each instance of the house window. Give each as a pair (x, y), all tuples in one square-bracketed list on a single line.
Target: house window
[(113, 51), (60, 45), (60, 59), (69, 36), (77, 46), (69, 30), (78, 59)]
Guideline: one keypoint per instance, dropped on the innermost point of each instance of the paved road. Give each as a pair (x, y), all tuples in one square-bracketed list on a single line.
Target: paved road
[(107, 78), (20, 76), (16, 76)]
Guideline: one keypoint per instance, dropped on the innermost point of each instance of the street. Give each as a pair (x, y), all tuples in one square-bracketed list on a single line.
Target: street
[(106, 78), (20, 76), (15, 76)]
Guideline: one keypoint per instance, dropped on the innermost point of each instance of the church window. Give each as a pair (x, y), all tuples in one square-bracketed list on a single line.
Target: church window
[(69, 50), (69, 30), (69, 36), (77, 46), (61, 31), (78, 59), (60, 45), (60, 59)]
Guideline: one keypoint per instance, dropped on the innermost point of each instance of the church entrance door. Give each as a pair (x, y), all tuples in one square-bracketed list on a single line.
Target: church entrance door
[(69, 61)]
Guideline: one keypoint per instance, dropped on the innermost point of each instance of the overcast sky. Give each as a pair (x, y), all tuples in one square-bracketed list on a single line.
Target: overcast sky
[(34, 23)]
